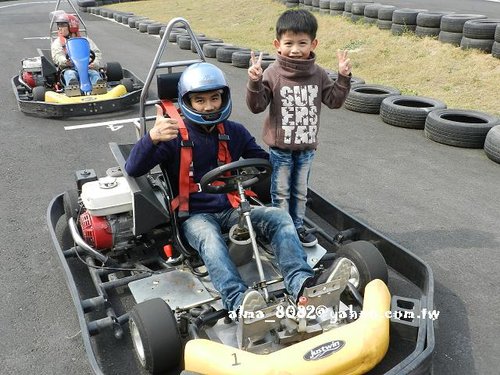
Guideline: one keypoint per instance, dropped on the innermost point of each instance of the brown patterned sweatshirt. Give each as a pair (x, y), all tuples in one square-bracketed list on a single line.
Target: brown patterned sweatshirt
[(294, 90)]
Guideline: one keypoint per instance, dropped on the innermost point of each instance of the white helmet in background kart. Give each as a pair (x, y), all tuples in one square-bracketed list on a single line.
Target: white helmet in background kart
[(201, 77)]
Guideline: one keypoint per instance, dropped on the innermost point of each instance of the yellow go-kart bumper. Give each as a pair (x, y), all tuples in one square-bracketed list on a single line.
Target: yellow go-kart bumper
[(115, 92), (354, 348)]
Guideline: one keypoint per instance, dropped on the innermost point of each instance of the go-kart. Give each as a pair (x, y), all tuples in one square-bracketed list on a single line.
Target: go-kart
[(40, 90), (134, 278)]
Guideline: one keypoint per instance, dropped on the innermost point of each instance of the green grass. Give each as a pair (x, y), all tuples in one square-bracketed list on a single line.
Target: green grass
[(464, 79)]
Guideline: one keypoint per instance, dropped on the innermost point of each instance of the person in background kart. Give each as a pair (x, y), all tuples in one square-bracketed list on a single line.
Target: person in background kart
[(205, 102), (67, 27)]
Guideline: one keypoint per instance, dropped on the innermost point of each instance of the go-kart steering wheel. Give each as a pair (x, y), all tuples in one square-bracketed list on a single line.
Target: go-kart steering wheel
[(246, 171), (91, 57)]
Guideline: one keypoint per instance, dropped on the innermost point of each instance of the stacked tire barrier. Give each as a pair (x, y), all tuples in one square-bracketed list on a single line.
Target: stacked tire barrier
[(454, 127)]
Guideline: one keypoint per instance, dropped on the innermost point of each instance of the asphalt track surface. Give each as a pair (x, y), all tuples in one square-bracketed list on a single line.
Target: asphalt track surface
[(438, 201)]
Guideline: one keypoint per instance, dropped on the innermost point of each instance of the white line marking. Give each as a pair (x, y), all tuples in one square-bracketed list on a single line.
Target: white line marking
[(37, 37), (35, 2), (493, 1), (104, 123)]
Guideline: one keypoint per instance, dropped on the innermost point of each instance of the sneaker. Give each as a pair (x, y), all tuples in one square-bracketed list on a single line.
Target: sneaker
[(306, 239)]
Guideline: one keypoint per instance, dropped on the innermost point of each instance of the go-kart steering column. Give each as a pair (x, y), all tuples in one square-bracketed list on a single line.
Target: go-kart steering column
[(245, 211)]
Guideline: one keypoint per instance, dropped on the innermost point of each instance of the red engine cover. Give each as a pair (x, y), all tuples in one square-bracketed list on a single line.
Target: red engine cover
[(96, 231), (28, 78)]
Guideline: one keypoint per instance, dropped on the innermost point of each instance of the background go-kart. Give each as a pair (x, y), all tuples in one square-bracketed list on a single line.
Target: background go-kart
[(438, 201)]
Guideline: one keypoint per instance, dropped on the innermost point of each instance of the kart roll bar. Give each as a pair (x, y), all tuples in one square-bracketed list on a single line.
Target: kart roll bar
[(157, 64)]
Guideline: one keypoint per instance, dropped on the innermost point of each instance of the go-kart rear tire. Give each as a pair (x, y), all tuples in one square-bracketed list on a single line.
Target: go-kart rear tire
[(70, 203), (39, 93), (128, 83), (368, 261), (114, 71), (155, 336)]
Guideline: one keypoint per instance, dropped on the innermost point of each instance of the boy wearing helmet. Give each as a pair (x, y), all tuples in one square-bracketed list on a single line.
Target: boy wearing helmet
[(205, 102), (68, 27)]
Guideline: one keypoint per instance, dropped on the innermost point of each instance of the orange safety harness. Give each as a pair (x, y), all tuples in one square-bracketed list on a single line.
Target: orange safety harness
[(186, 179)]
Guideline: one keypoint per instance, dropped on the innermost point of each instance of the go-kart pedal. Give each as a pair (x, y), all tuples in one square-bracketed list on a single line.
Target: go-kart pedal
[(99, 87), (73, 88), (325, 289), (255, 320)]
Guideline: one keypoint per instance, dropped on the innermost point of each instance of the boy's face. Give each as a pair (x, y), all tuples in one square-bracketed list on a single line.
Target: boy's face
[(295, 45), (206, 102), (63, 28)]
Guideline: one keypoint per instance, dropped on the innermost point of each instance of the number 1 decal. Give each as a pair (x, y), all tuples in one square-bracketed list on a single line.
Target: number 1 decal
[(236, 363)]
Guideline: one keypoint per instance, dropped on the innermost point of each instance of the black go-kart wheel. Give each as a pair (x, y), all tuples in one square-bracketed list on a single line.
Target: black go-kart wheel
[(155, 336), (114, 71), (38, 93), (70, 202), (367, 263), (128, 83), (225, 179)]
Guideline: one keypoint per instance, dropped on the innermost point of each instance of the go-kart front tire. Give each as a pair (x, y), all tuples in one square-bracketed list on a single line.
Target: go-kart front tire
[(114, 71), (155, 336), (367, 263)]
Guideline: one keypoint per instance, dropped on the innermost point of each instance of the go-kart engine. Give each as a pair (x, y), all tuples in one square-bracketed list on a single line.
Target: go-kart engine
[(107, 221), (106, 232)]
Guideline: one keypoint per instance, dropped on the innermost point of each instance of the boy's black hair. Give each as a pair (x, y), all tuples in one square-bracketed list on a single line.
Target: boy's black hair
[(297, 21)]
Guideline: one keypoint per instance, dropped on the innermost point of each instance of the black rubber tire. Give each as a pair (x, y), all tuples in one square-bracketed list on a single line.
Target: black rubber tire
[(174, 33), (492, 144), (385, 12), (497, 34), (368, 98), (114, 71), (225, 54), (266, 61), (143, 26), (398, 29), (371, 10), (128, 83), (454, 23), (407, 111), (204, 40), (210, 49), (423, 31), (368, 260), (384, 24), (449, 37), (86, 3), (430, 19), (484, 45), (495, 49), (337, 4), (406, 16), (241, 59), (358, 9), (481, 29), (184, 42), (159, 334), (370, 20), (324, 4), (39, 93), (154, 28), (458, 127), (63, 234), (132, 21), (126, 17), (70, 204)]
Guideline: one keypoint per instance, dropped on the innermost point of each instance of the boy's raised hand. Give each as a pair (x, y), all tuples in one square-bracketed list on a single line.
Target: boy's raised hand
[(344, 62), (255, 70)]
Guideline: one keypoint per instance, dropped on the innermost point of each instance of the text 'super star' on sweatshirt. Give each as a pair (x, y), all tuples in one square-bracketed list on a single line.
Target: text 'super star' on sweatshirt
[(294, 89)]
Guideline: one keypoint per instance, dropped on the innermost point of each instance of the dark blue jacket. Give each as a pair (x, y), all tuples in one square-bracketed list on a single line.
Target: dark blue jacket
[(145, 156)]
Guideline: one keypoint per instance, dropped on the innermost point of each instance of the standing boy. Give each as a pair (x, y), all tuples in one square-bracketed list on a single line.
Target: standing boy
[(294, 88)]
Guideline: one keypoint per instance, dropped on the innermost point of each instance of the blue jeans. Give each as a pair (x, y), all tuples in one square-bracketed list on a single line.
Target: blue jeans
[(289, 181), (203, 232), (70, 74)]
